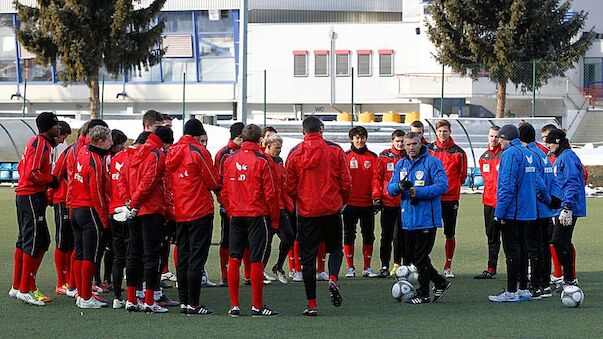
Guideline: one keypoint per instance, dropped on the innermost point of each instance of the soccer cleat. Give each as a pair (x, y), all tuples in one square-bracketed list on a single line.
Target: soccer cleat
[(547, 292), (13, 292), (298, 277), (438, 293), (77, 300), (310, 312), (524, 295), (205, 282), (61, 290), (280, 275), (117, 304), (536, 294), (267, 281), (166, 302), (40, 296), (199, 310), (132, 307), (504, 297), (291, 273), (155, 308), (335, 295), (417, 300), (169, 276), (28, 298), (268, 276), (322, 276), (90, 303), (184, 309), (234, 312), (556, 280), (485, 275), (98, 289), (392, 272), (223, 282), (263, 312), (246, 281), (368, 273), (383, 272), (448, 273), (71, 292), (351, 272)]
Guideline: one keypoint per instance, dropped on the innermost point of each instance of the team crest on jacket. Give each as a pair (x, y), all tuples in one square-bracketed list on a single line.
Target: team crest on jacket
[(367, 164), (419, 175), (390, 166), (530, 159)]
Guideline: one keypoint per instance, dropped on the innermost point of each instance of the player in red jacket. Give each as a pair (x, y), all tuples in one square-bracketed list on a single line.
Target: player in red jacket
[(360, 207), (418, 127), (34, 180), (488, 165), (455, 163), (391, 228), (250, 197), (90, 211), (319, 181), (193, 177)]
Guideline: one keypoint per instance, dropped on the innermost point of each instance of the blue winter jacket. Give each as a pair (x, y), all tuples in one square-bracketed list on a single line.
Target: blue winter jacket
[(544, 168), (427, 175), (570, 174), (518, 184)]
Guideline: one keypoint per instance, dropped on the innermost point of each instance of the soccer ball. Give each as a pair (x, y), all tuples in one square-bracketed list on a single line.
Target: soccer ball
[(572, 296), (402, 290), (403, 272), (413, 277)]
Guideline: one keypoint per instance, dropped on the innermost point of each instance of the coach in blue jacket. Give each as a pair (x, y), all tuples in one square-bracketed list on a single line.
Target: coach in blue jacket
[(570, 174), (420, 180)]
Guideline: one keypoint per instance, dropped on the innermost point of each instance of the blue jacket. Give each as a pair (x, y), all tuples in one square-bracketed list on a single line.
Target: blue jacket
[(518, 184), (570, 174), (544, 168), (427, 175)]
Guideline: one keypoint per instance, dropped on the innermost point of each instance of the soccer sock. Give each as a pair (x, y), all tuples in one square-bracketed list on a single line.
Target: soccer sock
[(175, 255), (149, 296), (27, 272), (246, 263), (71, 276), (450, 245), (574, 258), (297, 255), (257, 284), (77, 273), (348, 250), (88, 271), (18, 268), (320, 257), (333, 277), (557, 272), (224, 261), (367, 255), (37, 264), (312, 303), (291, 256), (233, 281), (59, 264), (132, 294)]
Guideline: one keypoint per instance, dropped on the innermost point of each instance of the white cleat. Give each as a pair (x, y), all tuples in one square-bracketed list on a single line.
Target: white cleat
[(132, 307), (322, 276), (13, 293), (71, 293), (280, 276), (351, 272), (268, 276), (298, 277), (154, 308), (524, 295), (368, 273), (504, 297), (117, 304), (448, 273), (29, 299), (90, 303), (169, 276), (205, 282)]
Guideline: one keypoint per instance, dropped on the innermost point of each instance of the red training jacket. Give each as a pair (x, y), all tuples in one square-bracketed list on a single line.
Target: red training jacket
[(193, 177), (35, 167), (60, 172), (116, 169), (145, 177), (362, 165), (455, 164), (71, 156), (285, 201), (249, 186), (383, 173), (91, 183), (318, 177), (488, 166)]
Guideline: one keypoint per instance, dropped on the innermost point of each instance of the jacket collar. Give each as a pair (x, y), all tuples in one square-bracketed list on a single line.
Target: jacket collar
[(313, 136), (396, 151), (497, 149), (359, 150), (232, 145), (155, 141), (99, 151), (445, 145), (250, 146)]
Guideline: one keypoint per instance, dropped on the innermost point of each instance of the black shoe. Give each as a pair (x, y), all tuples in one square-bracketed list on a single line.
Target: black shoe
[(418, 300), (335, 295), (263, 312), (536, 294), (200, 309), (223, 282), (234, 312), (485, 275), (547, 292), (438, 293), (183, 309), (383, 272), (310, 312), (247, 282)]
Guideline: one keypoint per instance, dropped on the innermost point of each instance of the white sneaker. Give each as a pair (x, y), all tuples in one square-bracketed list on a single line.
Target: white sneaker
[(90, 303), (117, 304), (281, 277), (169, 276), (368, 273), (154, 308), (71, 293), (29, 299), (504, 297), (556, 280), (322, 276), (524, 295), (448, 273), (298, 277), (77, 300), (132, 307), (266, 280), (351, 272), (13, 292), (205, 282), (97, 289), (268, 276)]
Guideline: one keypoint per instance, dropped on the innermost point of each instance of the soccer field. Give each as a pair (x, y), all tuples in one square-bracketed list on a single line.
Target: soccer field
[(367, 309)]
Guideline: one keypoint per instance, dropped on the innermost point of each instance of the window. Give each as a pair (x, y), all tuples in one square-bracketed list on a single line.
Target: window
[(8, 49), (174, 69), (321, 63), (177, 22), (593, 71), (216, 45), (153, 73), (300, 63), (342, 63), (32, 72), (386, 62), (364, 63)]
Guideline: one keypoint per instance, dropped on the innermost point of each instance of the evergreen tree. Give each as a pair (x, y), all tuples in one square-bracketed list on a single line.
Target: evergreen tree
[(504, 37), (87, 35)]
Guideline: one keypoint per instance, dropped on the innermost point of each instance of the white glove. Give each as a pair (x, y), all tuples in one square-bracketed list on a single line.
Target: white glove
[(565, 217), (133, 213), (121, 214)]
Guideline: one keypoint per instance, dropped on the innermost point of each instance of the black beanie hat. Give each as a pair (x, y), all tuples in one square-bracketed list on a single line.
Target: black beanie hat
[(142, 138), (508, 132), (45, 121), (527, 133), (555, 136), (194, 128), (236, 129), (165, 134)]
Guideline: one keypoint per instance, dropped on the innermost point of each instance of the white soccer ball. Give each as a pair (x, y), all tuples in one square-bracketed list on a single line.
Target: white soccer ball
[(402, 290), (403, 272), (572, 296)]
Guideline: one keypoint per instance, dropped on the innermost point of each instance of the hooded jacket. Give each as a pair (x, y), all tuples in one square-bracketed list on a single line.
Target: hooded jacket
[(318, 177), (35, 167), (569, 172), (454, 160), (383, 173)]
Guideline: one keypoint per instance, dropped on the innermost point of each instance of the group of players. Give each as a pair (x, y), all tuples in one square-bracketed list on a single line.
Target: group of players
[(134, 199)]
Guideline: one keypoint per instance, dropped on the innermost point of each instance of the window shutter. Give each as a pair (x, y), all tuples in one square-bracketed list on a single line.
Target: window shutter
[(321, 63), (178, 46)]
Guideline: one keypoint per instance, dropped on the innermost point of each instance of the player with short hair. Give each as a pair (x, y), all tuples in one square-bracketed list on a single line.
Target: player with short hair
[(151, 120), (166, 120), (418, 127)]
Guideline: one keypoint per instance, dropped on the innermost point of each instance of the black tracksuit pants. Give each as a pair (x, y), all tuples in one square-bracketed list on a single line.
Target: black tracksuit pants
[(493, 234), (391, 231), (120, 236), (421, 243), (562, 240), (144, 251)]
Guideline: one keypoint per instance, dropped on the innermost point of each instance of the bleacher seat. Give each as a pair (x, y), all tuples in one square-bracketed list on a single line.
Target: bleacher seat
[(15, 172), (478, 181)]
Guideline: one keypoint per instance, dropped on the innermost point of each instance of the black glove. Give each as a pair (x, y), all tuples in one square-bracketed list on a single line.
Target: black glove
[(377, 205), (414, 201), (555, 203), (404, 185), (54, 184)]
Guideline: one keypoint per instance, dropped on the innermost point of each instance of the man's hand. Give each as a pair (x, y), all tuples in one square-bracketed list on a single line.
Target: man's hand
[(555, 203), (404, 185), (565, 217), (377, 205)]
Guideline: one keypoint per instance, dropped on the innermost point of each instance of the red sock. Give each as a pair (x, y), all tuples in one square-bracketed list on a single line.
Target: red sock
[(71, 276), (59, 265), (333, 277), (348, 250), (367, 255), (175, 256), (312, 303), (449, 247), (320, 257), (18, 268), (37, 264), (29, 263), (224, 261), (557, 271), (491, 270), (247, 263), (297, 254), (132, 294), (574, 256), (233, 281), (291, 256), (77, 273), (257, 284), (88, 271), (149, 296)]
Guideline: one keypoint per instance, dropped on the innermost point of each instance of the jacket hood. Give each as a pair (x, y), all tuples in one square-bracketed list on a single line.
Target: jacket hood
[(311, 150), (177, 152)]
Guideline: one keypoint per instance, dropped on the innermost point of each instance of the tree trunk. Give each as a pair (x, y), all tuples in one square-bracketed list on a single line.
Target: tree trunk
[(501, 99), (93, 98)]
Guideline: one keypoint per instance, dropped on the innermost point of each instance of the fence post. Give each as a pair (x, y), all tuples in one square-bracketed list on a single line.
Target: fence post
[(533, 88)]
